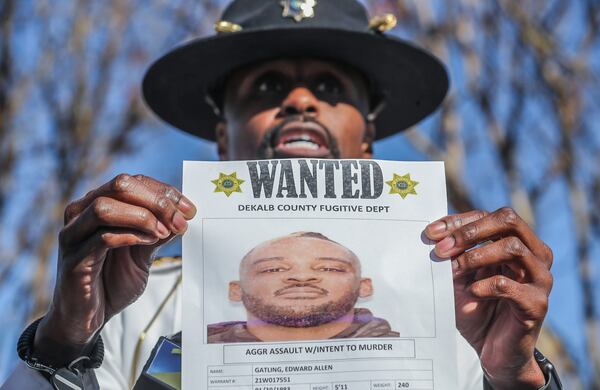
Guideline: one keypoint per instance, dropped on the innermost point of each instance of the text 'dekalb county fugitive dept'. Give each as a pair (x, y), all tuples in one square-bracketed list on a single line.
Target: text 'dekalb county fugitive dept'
[(307, 274)]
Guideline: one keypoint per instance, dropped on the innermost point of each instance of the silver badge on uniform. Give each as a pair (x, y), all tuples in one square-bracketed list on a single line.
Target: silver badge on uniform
[(298, 9)]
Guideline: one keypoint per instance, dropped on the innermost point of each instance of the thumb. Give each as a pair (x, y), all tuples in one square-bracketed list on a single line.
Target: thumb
[(148, 252)]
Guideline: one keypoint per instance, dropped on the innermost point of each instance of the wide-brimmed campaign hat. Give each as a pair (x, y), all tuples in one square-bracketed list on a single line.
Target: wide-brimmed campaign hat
[(408, 82)]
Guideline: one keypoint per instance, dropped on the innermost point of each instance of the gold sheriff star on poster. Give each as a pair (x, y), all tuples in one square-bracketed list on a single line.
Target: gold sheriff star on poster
[(227, 184), (402, 185)]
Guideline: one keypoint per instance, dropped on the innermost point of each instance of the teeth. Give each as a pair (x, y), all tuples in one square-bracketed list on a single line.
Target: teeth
[(298, 144)]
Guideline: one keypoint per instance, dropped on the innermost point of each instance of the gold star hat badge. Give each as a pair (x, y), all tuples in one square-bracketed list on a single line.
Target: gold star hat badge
[(228, 184), (298, 9), (402, 185)]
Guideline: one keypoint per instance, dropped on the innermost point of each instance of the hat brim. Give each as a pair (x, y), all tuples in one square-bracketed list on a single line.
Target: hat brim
[(412, 81)]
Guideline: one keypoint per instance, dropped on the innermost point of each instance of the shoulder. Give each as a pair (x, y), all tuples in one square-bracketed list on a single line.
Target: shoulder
[(221, 327), (230, 332), (365, 324)]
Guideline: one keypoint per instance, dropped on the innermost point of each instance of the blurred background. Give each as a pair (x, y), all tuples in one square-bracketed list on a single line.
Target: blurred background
[(520, 127)]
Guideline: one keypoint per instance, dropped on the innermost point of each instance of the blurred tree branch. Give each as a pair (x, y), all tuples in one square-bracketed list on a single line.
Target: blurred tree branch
[(6, 145), (516, 62), (522, 88), (74, 108)]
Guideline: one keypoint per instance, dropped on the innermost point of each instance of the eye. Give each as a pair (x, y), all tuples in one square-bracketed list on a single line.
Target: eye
[(331, 269), (328, 85), (270, 83), (272, 270)]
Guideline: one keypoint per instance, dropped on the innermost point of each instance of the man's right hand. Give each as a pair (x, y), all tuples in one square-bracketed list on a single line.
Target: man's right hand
[(105, 251)]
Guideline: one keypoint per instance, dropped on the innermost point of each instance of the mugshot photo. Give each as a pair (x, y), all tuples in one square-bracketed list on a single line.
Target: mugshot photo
[(304, 279)]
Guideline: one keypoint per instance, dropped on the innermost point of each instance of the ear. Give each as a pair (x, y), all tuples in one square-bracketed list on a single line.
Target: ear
[(235, 291), (366, 288), (222, 140), (368, 139)]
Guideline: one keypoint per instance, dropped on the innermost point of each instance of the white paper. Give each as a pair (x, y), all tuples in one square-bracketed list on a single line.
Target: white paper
[(327, 257)]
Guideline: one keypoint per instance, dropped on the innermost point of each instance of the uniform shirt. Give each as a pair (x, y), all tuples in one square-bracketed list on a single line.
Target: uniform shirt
[(121, 336)]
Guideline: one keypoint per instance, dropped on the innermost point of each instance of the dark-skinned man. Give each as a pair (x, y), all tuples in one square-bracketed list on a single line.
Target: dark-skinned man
[(301, 286), (333, 82)]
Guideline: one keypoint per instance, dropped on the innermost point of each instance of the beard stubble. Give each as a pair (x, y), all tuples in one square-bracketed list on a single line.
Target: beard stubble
[(300, 316)]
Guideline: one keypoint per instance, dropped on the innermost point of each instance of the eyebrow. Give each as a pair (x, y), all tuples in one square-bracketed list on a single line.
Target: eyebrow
[(338, 73), (264, 259), (268, 71), (281, 258), (336, 259)]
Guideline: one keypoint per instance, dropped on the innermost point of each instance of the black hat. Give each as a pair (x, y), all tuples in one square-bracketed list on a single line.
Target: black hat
[(411, 81)]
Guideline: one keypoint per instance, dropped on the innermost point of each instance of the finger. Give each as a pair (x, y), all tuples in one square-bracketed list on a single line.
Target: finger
[(128, 189), (96, 246), (183, 204), (501, 223), (513, 224), (527, 298), (509, 251), (108, 212), (444, 226)]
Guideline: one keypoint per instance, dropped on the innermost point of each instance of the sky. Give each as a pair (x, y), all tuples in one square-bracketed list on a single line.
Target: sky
[(159, 151)]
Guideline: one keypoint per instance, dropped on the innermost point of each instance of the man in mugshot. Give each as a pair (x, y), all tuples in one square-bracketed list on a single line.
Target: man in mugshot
[(302, 286)]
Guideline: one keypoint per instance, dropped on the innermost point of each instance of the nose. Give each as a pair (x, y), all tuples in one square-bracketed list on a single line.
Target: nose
[(303, 277), (300, 101)]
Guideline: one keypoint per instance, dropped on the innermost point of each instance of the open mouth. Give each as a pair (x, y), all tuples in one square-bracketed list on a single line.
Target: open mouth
[(302, 139)]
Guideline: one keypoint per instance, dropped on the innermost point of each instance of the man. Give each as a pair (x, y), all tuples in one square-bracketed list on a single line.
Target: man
[(290, 78), (302, 286)]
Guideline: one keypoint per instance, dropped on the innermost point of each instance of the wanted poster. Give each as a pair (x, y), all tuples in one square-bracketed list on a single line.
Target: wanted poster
[(307, 274)]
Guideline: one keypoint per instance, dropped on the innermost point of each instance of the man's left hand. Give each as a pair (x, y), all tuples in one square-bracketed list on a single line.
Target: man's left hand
[(502, 280)]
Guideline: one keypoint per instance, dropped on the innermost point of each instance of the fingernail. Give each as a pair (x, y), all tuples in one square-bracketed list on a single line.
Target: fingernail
[(179, 222), (146, 239), (437, 227), (163, 232), (445, 245), (186, 205)]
